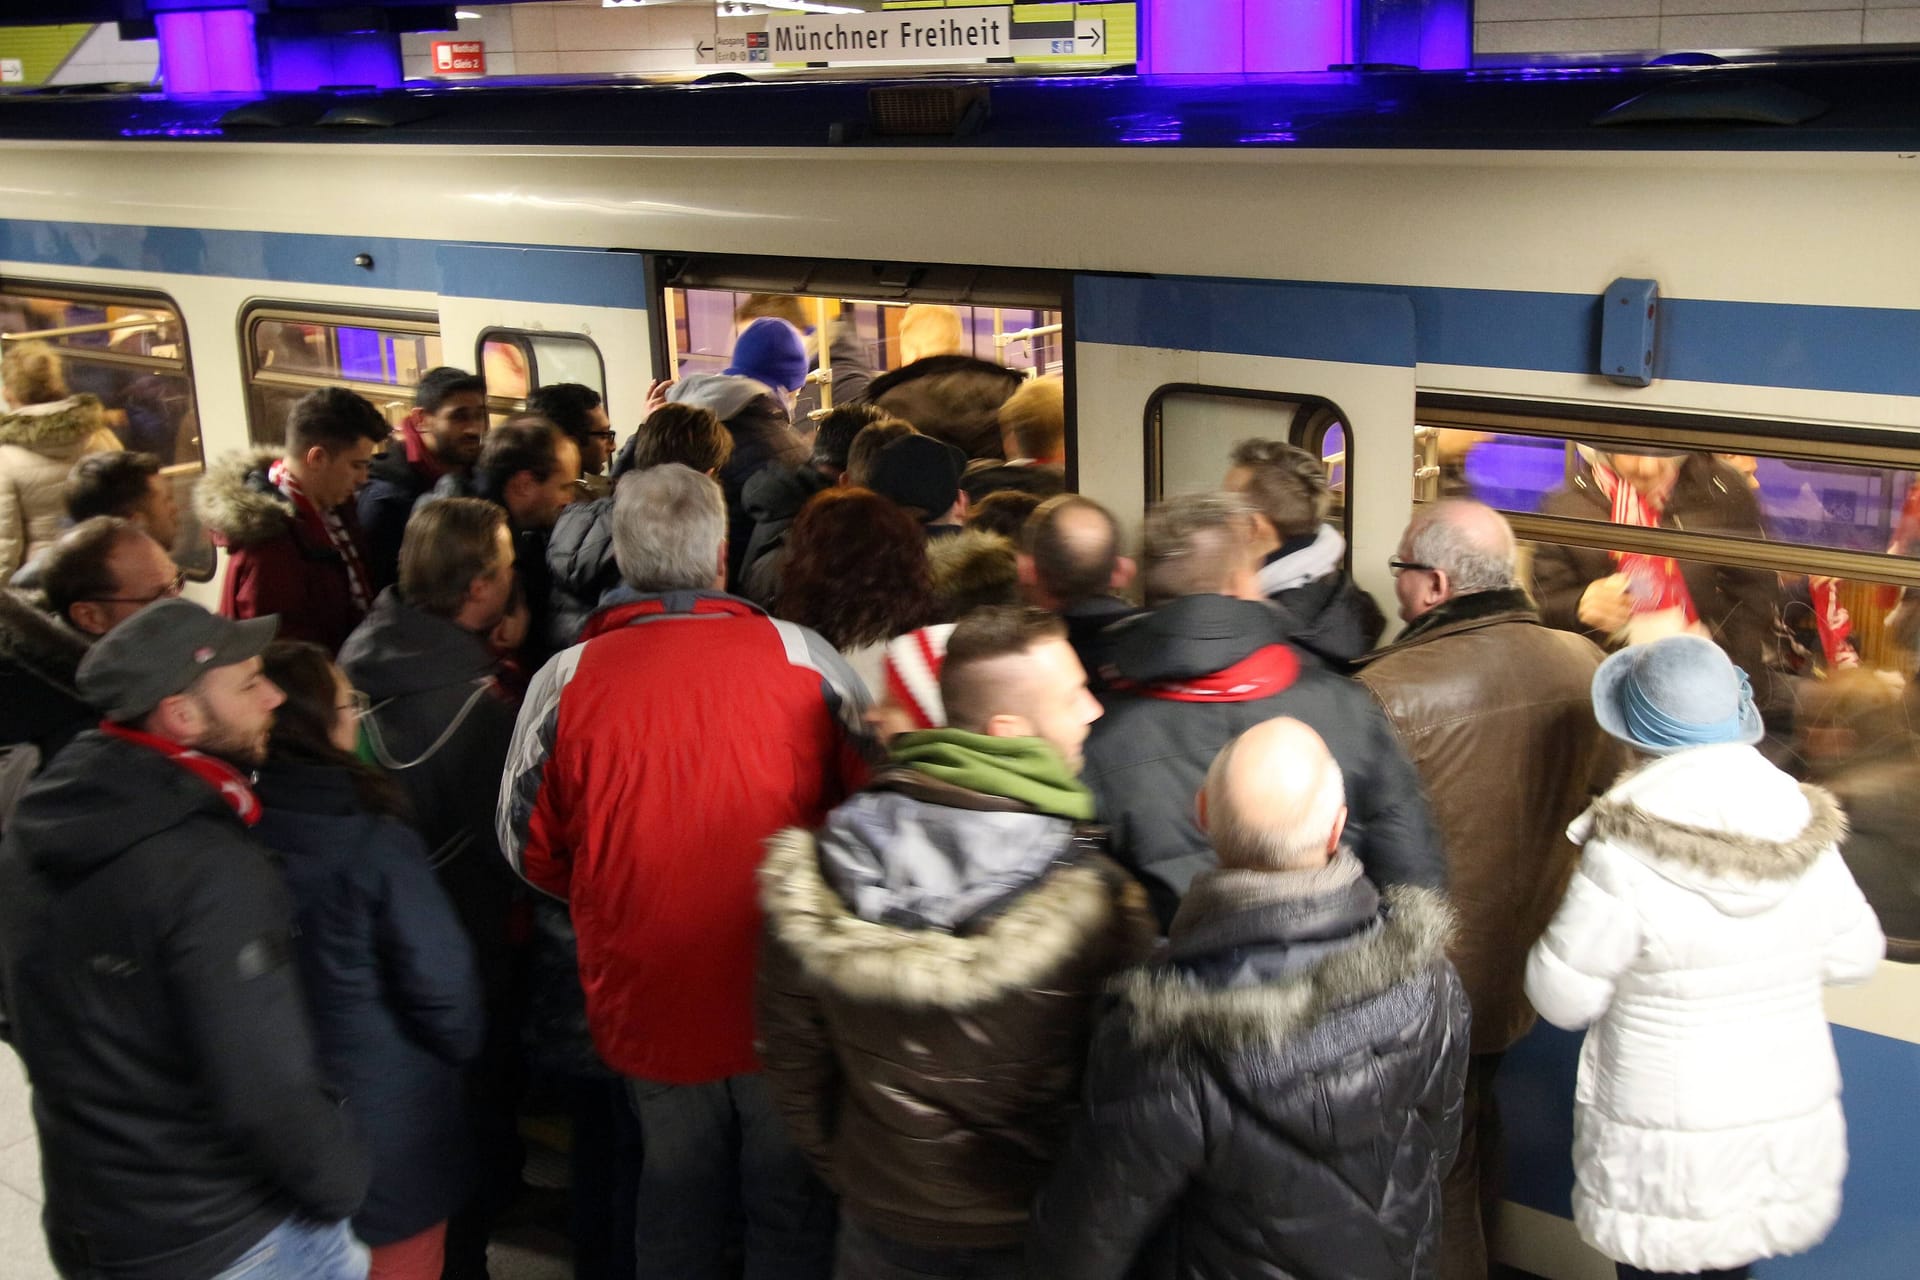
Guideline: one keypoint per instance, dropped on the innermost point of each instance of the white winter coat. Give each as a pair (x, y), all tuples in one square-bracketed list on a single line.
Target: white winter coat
[(1709, 907), (38, 447)]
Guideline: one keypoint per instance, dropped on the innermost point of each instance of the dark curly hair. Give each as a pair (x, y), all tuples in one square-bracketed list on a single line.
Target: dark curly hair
[(856, 570)]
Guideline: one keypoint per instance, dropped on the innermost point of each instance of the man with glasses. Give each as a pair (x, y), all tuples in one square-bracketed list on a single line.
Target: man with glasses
[(1495, 709), (441, 436), (577, 409), (100, 573)]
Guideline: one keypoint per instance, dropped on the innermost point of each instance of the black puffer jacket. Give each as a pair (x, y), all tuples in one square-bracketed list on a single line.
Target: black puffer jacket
[(391, 985), (580, 569), (952, 398), (1334, 619), (146, 946), (762, 434), (1147, 757), (1275, 1101), (773, 499), (39, 655)]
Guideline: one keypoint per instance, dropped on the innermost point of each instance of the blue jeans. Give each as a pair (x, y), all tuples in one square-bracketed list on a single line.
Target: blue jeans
[(301, 1250), (716, 1159)]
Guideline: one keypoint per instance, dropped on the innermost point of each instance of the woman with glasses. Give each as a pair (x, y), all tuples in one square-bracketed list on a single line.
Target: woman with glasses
[(389, 974)]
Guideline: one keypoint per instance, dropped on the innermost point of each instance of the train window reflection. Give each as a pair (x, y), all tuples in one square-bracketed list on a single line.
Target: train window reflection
[(516, 362), (291, 351), (1193, 431)]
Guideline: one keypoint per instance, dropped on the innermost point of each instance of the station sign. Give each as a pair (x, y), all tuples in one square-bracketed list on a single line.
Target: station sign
[(897, 35), (750, 46), (459, 57)]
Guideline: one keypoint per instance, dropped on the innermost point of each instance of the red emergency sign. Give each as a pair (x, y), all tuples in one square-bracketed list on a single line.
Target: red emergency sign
[(459, 57)]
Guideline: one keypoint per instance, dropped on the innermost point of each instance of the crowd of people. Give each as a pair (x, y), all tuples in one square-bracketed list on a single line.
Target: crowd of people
[(894, 876)]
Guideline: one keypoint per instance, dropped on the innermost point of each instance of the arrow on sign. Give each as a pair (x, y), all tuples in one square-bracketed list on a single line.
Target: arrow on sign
[(1096, 35), (704, 48)]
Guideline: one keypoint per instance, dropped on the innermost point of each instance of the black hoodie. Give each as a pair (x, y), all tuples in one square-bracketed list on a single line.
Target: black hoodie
[(1147, 757), (145, 948)]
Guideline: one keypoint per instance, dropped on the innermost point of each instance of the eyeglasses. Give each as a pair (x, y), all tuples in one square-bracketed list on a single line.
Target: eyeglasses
[(358, 705), (1401, 566), (167, 592), (608, 436)]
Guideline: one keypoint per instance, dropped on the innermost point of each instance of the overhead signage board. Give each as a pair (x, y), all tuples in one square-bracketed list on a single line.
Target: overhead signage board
[(896, 35), (459, 57), (750, 46)]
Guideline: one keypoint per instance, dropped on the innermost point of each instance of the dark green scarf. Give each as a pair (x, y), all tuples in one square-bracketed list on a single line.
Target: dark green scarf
[(1024, 769)]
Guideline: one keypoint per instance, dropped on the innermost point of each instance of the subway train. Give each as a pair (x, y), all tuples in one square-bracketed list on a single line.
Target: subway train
[(1459, 282)]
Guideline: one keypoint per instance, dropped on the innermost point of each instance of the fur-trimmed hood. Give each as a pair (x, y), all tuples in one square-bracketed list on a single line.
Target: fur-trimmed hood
[(1720, 821), (237, 505), (1021, 946), (1168, 1006), (54, 427), (35, 639), (973, 568)]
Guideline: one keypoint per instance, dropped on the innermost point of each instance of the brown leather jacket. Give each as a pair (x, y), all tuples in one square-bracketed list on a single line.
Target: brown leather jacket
[(929, 1075), (1496, 711)]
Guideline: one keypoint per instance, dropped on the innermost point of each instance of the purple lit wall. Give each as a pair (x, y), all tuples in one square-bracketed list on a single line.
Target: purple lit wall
[(1236, 37), (368, 58), (211, 51)]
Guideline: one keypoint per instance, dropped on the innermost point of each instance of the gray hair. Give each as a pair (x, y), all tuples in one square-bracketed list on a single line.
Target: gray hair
[(1469, 541), (669, 523), (1301, 843), (1193, 544)]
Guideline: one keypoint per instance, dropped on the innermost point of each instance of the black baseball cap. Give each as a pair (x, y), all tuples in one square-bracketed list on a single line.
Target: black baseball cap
[(161, 651)]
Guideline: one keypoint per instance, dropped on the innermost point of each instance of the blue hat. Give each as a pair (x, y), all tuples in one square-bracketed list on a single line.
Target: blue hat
[(770, 351), (1673, 694)]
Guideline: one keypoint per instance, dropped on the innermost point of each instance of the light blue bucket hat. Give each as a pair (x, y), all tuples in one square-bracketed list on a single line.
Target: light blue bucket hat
[(1673, 694)]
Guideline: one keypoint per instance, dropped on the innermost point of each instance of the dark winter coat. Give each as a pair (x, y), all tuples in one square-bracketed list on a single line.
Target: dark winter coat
[(1147, 757), (763, 436), (385, 504), (773, 499), (1740, 607), (929, 1074), (279, 562), (1089, 628), (39, 655), (1496, 711), (146, 946), (1277, 1100), (580, 569), (1334, 619), (391, 988), (952, 398), (441, 726)]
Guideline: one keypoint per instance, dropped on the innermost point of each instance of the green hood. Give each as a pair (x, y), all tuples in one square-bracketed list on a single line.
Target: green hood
[(1024, 769)]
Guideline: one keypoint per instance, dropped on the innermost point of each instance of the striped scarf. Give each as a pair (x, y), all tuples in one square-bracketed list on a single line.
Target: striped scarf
[(1654, 582), (281, 477)]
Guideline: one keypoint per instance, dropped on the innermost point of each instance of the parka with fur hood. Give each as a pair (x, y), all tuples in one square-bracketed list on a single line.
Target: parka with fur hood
[(278, 562), (1710, 906), (929, 1072), (38, 447), (1276, 1100)]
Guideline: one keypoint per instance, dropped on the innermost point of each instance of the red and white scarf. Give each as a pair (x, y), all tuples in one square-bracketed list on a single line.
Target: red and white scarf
[(231, 784), (1261, 674), (281, 477), (1656, 581)]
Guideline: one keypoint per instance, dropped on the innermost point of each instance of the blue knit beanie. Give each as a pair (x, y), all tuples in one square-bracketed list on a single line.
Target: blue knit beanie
[(770, 351)]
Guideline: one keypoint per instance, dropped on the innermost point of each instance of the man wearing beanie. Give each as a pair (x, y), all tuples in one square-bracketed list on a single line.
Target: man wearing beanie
[(934, 954), (146, 945), (754, 399)]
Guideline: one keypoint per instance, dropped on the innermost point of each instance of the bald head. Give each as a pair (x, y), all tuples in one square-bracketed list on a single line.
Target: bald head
[(1466, 547), (1274, 800), (1074, 545)]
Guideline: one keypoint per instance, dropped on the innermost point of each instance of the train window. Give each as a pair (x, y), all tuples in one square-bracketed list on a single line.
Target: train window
[(517, 361), (130, 349), (294, 350), (1801, 557), (1192, 431)]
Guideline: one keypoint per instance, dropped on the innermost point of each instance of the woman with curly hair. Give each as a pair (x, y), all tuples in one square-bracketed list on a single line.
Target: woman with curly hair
[(856, 573)]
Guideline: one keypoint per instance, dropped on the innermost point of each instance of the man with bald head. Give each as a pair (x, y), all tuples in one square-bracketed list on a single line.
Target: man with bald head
[(1494, 707), (1070, 565), (1280, 1093)]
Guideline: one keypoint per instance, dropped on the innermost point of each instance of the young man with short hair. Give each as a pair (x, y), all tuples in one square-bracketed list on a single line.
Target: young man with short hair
[(288, 521), (146, 948), (934, 955), (128, 485), (440, 436), (577, 409)]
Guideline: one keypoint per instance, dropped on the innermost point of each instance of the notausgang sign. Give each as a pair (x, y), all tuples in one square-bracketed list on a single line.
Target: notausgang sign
[(898, 35)]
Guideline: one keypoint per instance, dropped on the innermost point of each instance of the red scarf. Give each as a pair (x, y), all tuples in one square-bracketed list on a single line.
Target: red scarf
[(1261, 674), (419, 456), (280, 476), (231, 784), (1654, 582)]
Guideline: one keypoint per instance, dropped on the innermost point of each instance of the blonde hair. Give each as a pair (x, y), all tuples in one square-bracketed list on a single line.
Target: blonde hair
[(1036, 417), (31, 374), (927, 329)]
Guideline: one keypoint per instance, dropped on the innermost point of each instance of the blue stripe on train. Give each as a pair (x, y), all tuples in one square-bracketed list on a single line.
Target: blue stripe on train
[(1878, 1236)]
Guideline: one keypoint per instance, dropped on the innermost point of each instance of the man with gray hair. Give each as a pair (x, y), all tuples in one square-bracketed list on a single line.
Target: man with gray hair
[(650, 763), (1280, 1093), (1208, 661), (1495, 710)]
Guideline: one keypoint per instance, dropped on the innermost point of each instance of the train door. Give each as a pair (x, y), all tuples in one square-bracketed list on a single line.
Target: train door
[(1171, 373), (527, 318)]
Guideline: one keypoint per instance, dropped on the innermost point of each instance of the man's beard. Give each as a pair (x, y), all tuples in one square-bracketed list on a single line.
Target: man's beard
[(224, 742)]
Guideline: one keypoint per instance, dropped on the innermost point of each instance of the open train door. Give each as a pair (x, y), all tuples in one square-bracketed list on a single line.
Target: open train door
[(527, 318), (1171, 372)]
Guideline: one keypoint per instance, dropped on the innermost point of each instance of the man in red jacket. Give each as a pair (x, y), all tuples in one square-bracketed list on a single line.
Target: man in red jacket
[(288, 522), (650, 763)]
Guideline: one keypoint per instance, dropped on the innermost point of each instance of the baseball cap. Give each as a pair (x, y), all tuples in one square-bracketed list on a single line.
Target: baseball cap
[(161, 651)]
